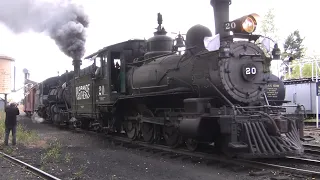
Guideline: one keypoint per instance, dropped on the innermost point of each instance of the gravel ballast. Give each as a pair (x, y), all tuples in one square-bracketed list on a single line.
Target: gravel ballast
[(70, 155)]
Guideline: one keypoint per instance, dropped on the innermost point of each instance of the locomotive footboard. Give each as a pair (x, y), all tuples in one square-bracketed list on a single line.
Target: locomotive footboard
[(266, 139), (250, 133)]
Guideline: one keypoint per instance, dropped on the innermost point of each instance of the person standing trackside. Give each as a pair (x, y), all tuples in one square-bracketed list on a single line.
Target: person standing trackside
[(11, 123)]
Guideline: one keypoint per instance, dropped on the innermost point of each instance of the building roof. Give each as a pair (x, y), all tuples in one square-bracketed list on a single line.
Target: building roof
[(6, 58), (299, 81)]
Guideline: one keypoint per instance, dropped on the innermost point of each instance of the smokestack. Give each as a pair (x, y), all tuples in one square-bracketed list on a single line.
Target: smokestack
[(26, 72), (76, 64), (221, 15), (26, 75)]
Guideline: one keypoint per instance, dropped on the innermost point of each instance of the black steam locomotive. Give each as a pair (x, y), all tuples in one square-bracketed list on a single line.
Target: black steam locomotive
[(148, 90)]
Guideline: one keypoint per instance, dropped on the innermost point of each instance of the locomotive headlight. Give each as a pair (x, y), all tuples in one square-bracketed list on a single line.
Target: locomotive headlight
[(246, 24), (249, 25)]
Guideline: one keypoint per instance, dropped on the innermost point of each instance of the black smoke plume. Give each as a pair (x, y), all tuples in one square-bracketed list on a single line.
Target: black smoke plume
[(63, 21)]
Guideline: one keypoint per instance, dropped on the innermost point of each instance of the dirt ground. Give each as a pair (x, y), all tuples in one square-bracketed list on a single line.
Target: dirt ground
[(70, 155)]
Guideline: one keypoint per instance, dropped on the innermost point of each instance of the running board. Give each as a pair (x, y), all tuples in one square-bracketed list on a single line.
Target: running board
[(238, 145)]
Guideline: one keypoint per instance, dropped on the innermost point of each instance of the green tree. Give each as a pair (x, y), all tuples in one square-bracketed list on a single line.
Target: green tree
[(268, 26), (293, 46), (306, 71), (294, 49), (295, 71)]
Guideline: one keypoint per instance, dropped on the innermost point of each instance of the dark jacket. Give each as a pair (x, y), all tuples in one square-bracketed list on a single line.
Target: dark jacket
[(11, 116)]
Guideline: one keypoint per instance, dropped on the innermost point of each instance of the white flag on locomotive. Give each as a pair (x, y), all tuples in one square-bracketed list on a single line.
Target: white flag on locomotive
[(212, 43), (266, 43)]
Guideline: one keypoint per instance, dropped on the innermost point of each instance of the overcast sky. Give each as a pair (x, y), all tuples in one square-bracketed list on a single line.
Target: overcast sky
[(120, 20)]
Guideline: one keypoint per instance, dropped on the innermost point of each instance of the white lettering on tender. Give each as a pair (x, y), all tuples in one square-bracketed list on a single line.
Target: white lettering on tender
[(83, 92), (101, 90)]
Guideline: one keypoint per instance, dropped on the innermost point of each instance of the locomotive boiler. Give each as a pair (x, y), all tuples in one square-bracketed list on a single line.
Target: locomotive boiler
[(209, 94), (242, 78)]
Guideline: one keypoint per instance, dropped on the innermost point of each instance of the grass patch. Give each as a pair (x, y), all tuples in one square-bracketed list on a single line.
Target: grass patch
[(310, 120), (52, 154), (80, 173), (67, 158), (24, 136)]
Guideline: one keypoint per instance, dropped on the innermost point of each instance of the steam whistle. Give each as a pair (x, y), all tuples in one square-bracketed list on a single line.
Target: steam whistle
[(159, 20), (160, 30)]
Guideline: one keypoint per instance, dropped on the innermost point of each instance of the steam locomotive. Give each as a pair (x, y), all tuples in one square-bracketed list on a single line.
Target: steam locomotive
[(149, 91)]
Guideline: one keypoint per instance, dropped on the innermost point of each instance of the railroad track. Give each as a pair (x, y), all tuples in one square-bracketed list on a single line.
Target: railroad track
[(304, 160), (286, 168), (312, 149), (207, 158), (311, 129), (28, 167), (248, 163)]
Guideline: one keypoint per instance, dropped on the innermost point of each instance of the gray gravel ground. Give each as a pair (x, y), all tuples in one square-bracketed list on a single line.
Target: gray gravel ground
[(9, 170), (72, 155)]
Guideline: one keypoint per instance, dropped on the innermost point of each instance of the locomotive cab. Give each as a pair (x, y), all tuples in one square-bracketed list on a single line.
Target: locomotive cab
[(116, 60)]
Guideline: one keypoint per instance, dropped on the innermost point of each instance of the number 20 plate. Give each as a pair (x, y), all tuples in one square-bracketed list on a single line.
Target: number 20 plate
[(229, 26)]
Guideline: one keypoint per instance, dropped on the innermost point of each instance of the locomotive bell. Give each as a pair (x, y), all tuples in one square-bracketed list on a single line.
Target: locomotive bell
[(179, 41)]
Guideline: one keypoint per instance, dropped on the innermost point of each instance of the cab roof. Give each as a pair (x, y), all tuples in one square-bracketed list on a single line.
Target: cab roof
[(116, 47)]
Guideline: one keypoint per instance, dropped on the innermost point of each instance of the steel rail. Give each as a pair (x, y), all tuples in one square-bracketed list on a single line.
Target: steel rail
[(248, 163), (29, 167), (311, 146), (312, 149), (314, 174), (304, 160), (205, 156)]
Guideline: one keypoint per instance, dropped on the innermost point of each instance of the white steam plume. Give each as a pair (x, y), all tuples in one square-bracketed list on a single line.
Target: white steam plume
[(64, 22), (36, 118)]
